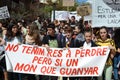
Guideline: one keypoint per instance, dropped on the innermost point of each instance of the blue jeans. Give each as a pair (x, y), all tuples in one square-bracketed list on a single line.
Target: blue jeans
[(115, 68)]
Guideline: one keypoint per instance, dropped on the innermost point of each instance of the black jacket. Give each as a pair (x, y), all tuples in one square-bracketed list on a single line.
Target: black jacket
[(74, 43), (93, 44)]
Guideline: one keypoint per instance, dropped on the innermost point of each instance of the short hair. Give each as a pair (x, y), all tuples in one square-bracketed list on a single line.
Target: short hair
[(69, 29), (51, 25), (73, 17), (88, 30)]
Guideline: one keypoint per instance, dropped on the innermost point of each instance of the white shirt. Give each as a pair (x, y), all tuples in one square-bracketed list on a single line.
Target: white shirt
[(87, 45), (15, 40)]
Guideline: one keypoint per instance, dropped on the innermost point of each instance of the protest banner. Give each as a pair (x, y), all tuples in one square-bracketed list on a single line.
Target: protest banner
[(60, 15), (56, 62), (4, 13), (74, 13), (64, 15), (104, 15)]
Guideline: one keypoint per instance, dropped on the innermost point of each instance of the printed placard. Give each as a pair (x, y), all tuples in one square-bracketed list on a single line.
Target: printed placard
[(4, 13)]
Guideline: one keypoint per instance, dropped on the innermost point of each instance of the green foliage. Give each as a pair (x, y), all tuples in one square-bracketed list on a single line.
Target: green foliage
[(47, 8)]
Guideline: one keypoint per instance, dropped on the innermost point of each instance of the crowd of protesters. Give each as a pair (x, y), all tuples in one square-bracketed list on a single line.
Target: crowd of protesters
[(60, 34)]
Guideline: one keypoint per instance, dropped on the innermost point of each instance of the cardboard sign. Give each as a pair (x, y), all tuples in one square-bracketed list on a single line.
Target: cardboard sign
[(68, 2), (4, 13)]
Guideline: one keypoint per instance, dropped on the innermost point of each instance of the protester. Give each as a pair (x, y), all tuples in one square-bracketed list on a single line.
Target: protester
[(50, 41), (87, 44), (2, 49), (13, 35), (78, 33), (64, 35), (38, 22), (70, 42), (56, 23), (95, 34), (72, 21), (33, 35), (32, 38), (105, 41), (22, 27), (116, 59), (62, 24), (3, 71)]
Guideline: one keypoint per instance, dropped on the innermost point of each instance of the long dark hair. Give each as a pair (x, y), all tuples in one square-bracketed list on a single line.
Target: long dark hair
[(9, 34)]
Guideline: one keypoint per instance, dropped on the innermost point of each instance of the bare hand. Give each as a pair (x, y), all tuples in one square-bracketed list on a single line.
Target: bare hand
[(111, 47)]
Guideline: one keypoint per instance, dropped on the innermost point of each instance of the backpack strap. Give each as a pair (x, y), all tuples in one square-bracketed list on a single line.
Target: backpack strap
[(75, 42)]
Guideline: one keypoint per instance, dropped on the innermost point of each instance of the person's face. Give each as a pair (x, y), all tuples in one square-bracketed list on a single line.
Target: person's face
[(76, 30), (19, 24), (14, 29), (72, 19), (62, 24), (88, 36), (61, 30), (68, 35), (103, 34), (50, 31)]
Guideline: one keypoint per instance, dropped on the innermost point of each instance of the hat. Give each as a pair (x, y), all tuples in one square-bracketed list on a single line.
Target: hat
[(51, 25)]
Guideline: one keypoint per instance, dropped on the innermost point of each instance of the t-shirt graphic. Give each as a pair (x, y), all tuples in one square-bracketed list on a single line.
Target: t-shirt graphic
[(53, 43)]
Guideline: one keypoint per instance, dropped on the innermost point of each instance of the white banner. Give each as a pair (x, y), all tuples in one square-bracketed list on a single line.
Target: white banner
[(74, 13), (4, 13), (56, 62), (104, 15), (64, 15), (60, 15)]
